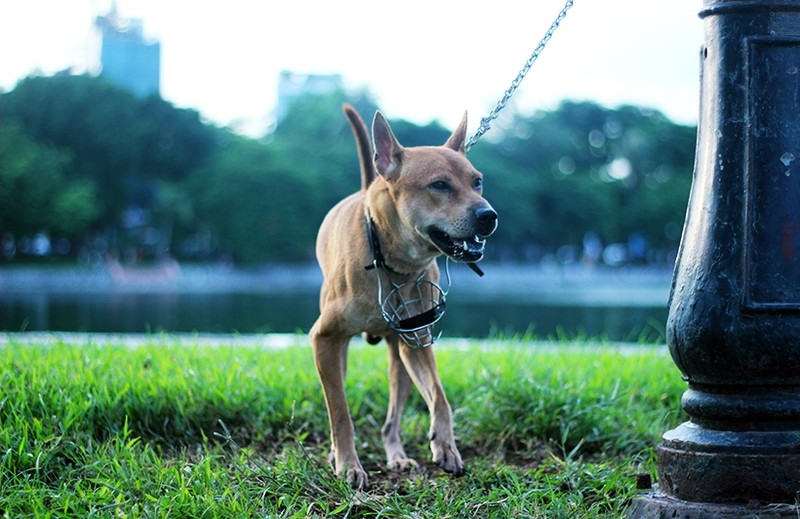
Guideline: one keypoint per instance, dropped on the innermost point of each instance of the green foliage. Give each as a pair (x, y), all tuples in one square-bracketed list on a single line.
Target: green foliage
[(80, 156), (254, 203), (316, 138), (119, 153), (76, 208), (34, 192), (584, 168), (171, 428), (97, 122), (175, 142)]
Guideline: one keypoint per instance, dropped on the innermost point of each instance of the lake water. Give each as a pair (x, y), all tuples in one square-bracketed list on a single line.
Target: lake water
[(619, 305)]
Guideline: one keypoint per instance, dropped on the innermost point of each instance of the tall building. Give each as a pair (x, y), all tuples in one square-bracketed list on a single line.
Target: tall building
[(127, 57)]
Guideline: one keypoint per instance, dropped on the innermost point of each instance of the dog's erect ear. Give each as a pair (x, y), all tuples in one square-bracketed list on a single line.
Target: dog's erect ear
[(388, 152), (458, 140)]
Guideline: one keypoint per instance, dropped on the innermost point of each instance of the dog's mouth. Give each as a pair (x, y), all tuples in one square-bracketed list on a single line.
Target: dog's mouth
[(460, 249)]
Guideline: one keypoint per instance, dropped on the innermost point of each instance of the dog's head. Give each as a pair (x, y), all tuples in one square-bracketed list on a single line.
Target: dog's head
[(437, 191)]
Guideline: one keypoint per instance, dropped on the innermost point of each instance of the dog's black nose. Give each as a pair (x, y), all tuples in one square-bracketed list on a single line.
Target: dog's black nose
[(486, 218)]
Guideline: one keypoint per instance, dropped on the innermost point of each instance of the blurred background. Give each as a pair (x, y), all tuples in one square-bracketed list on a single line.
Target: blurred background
[(164, 166)]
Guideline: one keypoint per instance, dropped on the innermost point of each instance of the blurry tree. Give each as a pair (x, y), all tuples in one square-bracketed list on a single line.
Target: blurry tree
[(174, 215), (126, 155), (409, 134), (75, 209), (315, 136), (35, 195), (584, 168), (175, 141), (98, 123), (96, 158), (256, 206)]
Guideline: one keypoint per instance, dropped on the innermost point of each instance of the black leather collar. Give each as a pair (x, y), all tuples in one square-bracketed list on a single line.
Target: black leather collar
[(378, 261)]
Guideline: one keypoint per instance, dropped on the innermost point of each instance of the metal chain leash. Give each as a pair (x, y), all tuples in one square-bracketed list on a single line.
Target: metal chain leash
[(486, 121)]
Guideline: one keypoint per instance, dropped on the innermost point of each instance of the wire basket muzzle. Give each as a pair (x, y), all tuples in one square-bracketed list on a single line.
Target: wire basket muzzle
[(414, 316)]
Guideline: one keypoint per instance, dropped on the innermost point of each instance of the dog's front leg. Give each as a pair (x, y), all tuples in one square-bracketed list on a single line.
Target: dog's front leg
[(399, 388), (421, 365), (330, 357)]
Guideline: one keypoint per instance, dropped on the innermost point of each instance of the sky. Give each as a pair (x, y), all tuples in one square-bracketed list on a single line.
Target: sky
[(421, 60)]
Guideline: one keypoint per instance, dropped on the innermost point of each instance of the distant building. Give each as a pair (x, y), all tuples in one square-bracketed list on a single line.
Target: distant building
[(127, 58), (292, 86)]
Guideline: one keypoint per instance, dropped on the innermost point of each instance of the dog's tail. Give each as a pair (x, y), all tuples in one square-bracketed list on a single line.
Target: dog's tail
[(361, 135)]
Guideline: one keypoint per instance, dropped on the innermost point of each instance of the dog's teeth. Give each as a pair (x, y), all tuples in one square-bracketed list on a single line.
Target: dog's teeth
[(464, 245)]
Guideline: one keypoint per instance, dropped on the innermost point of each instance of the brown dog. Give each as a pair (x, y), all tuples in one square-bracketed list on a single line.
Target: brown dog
[(423, 202)]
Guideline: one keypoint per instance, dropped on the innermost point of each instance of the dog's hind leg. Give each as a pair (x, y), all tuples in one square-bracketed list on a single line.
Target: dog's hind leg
[(399, 388), (330, 357), (421, 366)]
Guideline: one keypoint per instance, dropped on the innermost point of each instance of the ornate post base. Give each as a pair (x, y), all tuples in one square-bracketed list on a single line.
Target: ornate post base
[(656, 505), (704, 465), (706, 472)]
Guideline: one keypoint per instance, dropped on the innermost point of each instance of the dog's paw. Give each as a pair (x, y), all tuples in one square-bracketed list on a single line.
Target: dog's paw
[(357, 477), (354, 474), (447, 457), (402, 464)]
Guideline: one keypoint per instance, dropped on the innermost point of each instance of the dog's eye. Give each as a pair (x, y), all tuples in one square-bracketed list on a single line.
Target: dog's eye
[(477, 184), (439, 185)]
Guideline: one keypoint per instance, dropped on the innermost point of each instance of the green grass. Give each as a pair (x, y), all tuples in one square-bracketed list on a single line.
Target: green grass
[(175, 429)]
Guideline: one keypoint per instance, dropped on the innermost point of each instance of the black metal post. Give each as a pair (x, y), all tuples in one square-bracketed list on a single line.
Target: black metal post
[(734, 316)]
